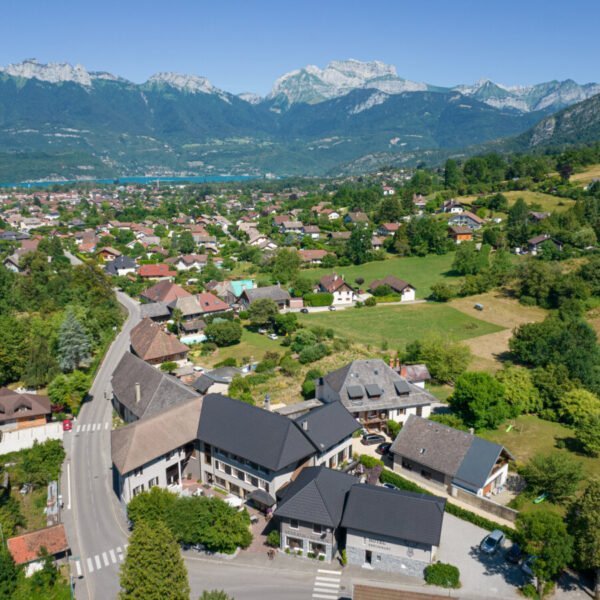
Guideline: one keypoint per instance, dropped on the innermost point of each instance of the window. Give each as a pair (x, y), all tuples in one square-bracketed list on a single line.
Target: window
[(221, 482), (317, 528), (254, 481), (137, 472), (293, 524), (138, 490), (240, 475), (263, 485), (227, 470), (153, 482)]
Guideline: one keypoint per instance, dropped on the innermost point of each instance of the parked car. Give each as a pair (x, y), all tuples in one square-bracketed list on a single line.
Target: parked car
[(370, 439), (263, 331), (67, 425), (514, 554), (384, 448), (273, 336), (527, 566), (304, 310), (332, 307), (491, 542), (389, 486)]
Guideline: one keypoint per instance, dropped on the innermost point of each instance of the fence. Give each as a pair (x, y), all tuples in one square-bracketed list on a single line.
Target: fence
[(13, 441), (484, 504)]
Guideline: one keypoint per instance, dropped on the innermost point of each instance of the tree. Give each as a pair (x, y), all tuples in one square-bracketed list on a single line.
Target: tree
[(442, 292), (286, 324), (185, 242), (69, 390), (301, 286), (285, 265), (445, 360), (468, 260), (41, 365), (479, 400), (262, 312), (153, 505), (545, 536), (8, 573), (168, 367), (390, 210), (556, 475), (153, 568), (578, 404), (517, 224), (583, 521), (452, 175), (520, 393), (73, 343), (588, 433), (359, 245), (224, 333)]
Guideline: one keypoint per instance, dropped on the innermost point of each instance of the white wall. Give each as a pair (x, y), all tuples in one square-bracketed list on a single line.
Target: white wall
[(13, 441)]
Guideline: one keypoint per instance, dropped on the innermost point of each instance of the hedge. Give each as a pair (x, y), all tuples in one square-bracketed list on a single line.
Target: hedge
[(388, 476), (442, 575), (318, 299), (370, 462), (388, 298)]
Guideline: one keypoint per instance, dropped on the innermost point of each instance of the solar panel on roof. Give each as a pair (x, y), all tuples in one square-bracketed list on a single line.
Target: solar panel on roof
[(355, 392), (373, 390), (402, 387)]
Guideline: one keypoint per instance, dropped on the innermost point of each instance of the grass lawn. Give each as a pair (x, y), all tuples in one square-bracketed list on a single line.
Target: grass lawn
[(530, 436), (399, 325), (548, 202), (252, 345), (32, 507), (421, 272), (587, 175)]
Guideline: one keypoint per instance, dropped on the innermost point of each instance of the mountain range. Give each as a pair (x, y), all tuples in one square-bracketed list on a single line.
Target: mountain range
[(62, 121)]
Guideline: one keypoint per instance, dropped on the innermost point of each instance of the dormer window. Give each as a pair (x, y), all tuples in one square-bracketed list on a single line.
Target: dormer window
[(373, 390), (402, 387)]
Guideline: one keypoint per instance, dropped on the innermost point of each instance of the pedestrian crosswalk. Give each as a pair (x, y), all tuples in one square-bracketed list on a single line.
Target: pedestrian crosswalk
[(92, 427), (101, 560), (327, 584)]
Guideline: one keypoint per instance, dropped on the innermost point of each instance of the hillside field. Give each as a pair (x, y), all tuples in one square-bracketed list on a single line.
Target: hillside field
[(587, 175), (399, 325)]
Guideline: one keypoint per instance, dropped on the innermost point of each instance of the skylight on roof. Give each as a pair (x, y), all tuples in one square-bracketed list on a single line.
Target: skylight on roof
[(402, 387), (355, 392), (373, 390)]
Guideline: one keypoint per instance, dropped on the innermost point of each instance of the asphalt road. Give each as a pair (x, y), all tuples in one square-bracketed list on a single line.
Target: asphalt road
[(94, 519)]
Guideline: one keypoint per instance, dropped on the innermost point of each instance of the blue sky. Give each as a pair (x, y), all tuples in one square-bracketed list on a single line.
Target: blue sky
[(244, 45)]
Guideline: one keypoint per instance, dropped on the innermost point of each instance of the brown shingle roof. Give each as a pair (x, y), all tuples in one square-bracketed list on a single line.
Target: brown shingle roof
[(164, 291), (14, 405), (150, 342)]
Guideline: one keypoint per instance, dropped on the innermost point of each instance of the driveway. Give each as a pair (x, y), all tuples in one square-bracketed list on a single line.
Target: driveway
[(481, 575)]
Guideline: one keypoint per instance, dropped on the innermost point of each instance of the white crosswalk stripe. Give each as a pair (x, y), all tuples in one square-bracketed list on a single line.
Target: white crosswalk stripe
[(78, 568), (112, 556), (93, 427), (101, 560), (327, 584), (78, 429), (105, 559), (98, 563), (90, 566)]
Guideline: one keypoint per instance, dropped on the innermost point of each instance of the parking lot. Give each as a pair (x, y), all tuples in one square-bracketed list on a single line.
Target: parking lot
[(481, 575)]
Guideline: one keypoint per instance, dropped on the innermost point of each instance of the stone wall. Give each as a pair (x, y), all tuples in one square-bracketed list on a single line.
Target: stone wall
[(485, 504), (387, 562)]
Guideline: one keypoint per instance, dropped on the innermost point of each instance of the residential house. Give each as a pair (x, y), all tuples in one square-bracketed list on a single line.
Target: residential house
[(154, 345), (216, 381), (398, 286), (312, 257), (27, 549), (388, 229), (339, 236), (377, 243), (460, 233), (310, 509), (466, 218), (388, 191), (356, 218), (392, 530), (536, 217), (280, 296), (164, 291), (121, 266), (189, 261), (454, 207), (211, 304), (141, 391), (335, 284), (188, 306), (157, 311), (292, 227), (417, 374), (449, 457), (536, 244), (230, 291), (19, 411), (156, 451), (312, 231), (156, 271), (107, 253), (374, 393)]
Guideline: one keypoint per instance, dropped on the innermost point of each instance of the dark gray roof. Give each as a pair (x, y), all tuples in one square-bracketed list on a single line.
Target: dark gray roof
[(121, 262), (262, 497), (274, 292), (327, 425), (202, 384), (268, 439), (317, 495), (344, 384), (298, 408), (154, 310), (158, 391), (477, 464), (394, 513)]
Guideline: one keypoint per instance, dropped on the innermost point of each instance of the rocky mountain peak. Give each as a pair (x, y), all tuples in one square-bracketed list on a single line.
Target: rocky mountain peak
[(51, 72)]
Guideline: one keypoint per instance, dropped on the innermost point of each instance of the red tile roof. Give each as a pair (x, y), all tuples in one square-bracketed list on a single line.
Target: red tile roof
[(159, 270), (210, 303), (26, 548)]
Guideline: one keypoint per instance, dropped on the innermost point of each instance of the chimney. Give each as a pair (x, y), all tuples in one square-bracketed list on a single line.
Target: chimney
[(391, 362), (138, 393), (403, 371), (267, 402), (471, 431), (305, 425)]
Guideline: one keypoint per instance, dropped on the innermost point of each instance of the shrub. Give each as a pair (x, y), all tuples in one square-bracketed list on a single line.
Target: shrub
[(289, 366), (344, 558), (228, 362), (370, 462), (168, 367), (442, 292), (370, 301), (243, 315), (393, 427), (313, 353), (442, 575), (224, 333), (318, 299), (274, 539)]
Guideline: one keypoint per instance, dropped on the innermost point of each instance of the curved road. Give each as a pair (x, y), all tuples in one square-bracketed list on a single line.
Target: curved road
[(95, 521)]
